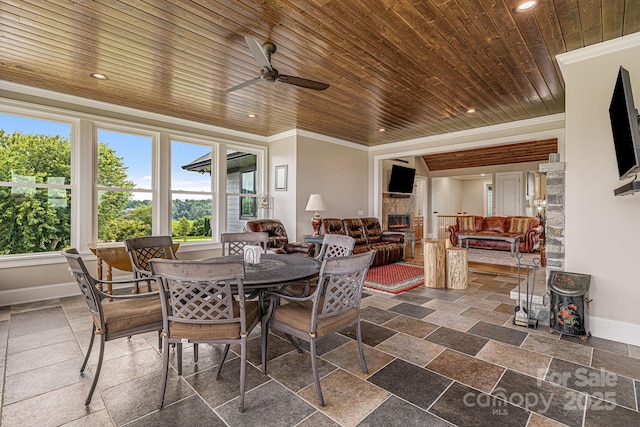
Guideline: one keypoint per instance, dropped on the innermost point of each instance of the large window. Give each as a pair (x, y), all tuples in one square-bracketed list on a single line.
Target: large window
[(191, 194), (125, 205), (241, 189), (35, 185), (70, 180)]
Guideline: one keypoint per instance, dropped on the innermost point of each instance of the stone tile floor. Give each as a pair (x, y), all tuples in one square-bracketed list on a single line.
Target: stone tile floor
[(435, 357)]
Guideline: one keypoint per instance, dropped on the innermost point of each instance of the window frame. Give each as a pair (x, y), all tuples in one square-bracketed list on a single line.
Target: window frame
[(260, 177), (84, 145), (213, 179), (21, 109), (117, 128)]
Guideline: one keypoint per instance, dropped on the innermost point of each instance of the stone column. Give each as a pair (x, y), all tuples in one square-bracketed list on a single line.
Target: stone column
[(554, 223)]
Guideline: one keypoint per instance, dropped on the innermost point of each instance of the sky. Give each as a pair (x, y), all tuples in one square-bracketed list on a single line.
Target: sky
[(134, 149)]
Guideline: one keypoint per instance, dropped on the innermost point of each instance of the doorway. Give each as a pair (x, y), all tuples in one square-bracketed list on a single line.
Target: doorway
[(508, 193)]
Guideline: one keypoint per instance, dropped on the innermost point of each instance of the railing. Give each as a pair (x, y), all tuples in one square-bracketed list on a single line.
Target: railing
[(441, 224)]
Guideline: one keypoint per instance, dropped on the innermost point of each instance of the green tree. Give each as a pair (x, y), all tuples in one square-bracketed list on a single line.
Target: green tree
[(183, 228), (201, 226), (111, 204), (34, 220), (143, 215), (120, 229), (38, 220)]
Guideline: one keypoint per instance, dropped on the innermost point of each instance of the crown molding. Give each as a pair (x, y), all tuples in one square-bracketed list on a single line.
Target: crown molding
[(596, 50)]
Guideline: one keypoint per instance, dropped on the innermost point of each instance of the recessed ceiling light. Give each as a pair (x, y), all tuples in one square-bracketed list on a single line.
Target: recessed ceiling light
[(382, 130), (526, 6), (98, 76), (252, 116), (471, 110)]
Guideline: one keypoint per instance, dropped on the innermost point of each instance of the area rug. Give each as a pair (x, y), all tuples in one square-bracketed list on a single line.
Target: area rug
[(488, 256), (394, 278)]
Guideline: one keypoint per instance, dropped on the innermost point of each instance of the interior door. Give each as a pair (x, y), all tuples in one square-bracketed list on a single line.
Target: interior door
[(508, 193), (420, 207)]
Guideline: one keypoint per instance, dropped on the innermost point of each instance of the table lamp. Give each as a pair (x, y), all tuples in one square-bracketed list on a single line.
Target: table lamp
[(317, 204)]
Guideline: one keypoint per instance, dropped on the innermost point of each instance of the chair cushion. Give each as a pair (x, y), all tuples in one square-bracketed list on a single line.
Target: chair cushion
[(215, 331), (298, 316), (120, 315)]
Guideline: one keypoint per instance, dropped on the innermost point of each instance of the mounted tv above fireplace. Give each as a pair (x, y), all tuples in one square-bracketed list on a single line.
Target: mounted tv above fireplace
[(401, 180)]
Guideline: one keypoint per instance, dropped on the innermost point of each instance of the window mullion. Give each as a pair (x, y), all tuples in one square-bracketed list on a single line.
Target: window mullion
[(162, 186)]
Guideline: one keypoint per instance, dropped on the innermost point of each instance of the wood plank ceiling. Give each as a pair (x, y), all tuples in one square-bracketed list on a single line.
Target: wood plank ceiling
[(411, 67), (534, 151)]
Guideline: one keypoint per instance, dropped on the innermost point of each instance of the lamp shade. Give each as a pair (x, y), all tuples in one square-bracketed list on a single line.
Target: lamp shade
[(316, 203)]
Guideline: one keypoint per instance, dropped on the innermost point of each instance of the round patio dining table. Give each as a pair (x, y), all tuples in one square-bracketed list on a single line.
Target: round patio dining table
[(275, 271)]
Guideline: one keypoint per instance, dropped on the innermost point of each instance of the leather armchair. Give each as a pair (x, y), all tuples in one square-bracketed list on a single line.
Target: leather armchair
[(278, 239)]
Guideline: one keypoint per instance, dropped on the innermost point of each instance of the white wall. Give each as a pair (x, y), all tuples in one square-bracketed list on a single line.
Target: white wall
[(446, 196), (338, 172), (473, 195), (283, 151), (602, 233)]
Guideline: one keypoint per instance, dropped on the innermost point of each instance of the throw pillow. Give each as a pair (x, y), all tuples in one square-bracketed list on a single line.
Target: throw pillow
[(467, 223), (519, 225)]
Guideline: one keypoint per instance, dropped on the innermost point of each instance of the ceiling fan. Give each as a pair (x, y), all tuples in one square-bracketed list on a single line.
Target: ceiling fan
[(262, 54)]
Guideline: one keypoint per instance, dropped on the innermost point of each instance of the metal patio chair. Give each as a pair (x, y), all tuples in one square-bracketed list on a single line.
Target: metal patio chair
[(114, 316), (234, 243), (198, 306), (334, 305)]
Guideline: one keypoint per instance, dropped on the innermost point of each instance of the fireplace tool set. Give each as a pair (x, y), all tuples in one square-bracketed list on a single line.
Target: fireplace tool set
[(523, 316)]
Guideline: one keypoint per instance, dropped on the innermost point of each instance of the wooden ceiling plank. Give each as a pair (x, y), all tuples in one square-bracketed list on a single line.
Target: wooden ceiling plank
[(490, 156)]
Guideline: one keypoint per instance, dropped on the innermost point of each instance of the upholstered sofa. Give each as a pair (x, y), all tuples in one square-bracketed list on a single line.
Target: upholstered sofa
[(527, 228), (278, 239), (368, 234)]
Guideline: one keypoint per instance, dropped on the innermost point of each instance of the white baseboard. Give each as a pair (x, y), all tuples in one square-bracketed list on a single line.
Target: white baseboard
[(41, 293), (614, 330)]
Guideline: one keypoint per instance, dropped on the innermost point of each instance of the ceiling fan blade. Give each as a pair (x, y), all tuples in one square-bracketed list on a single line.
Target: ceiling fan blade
[(245, 84), (258, 53), (298, 81)]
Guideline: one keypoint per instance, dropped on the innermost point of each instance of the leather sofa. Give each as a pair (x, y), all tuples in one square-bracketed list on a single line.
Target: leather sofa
[(527, 228), (367, 232), (278, 239)]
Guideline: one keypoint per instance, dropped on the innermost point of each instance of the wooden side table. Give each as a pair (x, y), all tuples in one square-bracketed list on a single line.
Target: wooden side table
[(457, 268), (434, 264), (114, 255)]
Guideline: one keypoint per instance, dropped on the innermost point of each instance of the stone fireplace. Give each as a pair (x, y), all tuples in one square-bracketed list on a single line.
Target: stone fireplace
[(397, 212)]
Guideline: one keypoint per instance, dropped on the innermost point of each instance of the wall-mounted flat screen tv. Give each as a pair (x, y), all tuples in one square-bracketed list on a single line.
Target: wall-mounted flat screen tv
[(625, 127), (401, 180)]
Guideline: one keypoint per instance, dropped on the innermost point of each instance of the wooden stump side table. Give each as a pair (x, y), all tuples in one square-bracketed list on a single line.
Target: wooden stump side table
[(434, 264), (457, 268)]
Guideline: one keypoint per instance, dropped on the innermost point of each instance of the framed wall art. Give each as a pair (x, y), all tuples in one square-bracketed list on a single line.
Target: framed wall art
[(281, 178)]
